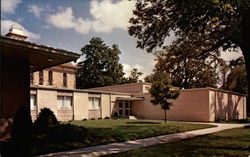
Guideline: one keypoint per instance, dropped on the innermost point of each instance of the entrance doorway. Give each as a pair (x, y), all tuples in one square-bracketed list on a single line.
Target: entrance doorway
[(124, 108)]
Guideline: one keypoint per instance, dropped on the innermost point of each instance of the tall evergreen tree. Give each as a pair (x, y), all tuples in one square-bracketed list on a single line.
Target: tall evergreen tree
[(101, 66)]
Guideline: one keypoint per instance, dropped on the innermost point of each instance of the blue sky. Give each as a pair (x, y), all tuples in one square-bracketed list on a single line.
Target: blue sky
[(70, 24)]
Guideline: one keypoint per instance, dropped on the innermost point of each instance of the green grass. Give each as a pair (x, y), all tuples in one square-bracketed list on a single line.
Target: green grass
[(229, 143), (107, 131)]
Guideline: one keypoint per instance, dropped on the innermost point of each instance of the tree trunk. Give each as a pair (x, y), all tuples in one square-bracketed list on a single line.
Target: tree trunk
[(165, 113), (245, 47)]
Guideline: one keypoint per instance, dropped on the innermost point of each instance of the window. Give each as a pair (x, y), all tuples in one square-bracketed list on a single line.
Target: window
[(126, 104), (40, 77), (64, 79), (31, 78), (120, 105), (64, 102), (33, 102), (50, 78), (120, 112), (94, 103)]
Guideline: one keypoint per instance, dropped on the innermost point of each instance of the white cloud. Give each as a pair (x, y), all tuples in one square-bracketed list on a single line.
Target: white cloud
[(106, 15), (5, 25), (9, 6), (66, 20), (35, 10)]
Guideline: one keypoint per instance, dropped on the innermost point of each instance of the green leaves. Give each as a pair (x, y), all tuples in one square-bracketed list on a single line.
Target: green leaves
[(162, 92), (101, 66)]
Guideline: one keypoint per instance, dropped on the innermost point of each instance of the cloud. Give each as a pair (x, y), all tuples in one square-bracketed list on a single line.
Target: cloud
[(9, 6), (5, 24), (66, 20), (35, 10), (106, 16)]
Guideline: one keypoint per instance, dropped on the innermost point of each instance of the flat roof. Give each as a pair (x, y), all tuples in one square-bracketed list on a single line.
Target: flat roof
[(121, 85), (130, 99), (78, 90), (39, 56)]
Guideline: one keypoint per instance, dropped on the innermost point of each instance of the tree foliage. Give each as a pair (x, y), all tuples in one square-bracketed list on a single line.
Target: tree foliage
[(236, 80), (133, 77), (187, 72), (201, 28), (162, 92), (101, 66)]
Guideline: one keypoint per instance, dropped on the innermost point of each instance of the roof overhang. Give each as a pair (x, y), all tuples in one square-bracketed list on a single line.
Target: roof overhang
[(130, 99), (39, 56)]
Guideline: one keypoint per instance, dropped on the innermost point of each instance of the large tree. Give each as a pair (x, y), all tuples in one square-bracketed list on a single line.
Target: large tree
[(200, 27), (236, 78), (162, 92), (187, 72), (101, 66)]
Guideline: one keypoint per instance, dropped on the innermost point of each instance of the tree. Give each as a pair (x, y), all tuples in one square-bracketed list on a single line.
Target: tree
[(188, 72), (201, 28), (161, 92), (236, 79), (133, 77), (101, 66)]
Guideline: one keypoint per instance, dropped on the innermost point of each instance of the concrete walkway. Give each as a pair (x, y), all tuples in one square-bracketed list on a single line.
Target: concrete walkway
[(125, 146)]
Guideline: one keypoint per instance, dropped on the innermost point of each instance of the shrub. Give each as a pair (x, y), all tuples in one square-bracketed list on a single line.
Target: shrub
[(107, 117), (84, 119), (92, 118), (21, 133), (45, 119), (99, 118), (67, 133)]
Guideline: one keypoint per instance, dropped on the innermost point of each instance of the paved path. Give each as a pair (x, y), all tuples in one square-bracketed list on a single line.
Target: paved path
[(125, 146)]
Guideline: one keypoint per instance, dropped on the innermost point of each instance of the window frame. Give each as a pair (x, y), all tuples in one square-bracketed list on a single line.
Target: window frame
[(64, 100)]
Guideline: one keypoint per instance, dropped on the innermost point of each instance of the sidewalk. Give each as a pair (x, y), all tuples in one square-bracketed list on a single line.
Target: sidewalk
[(125, 146)]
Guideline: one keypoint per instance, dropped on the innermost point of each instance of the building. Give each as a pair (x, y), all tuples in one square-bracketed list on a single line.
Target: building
[(133, 100), (18, 59)]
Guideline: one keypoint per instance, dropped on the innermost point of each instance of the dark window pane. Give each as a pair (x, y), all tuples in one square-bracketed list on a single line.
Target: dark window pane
[(126, 112), (120, 112), (126, 104), (40, 77), (64, 79), (120, 104), (50, 78)]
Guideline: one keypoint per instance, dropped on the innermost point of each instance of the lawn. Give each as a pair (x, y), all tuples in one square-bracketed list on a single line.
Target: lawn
[(96, 132), (229, 143)]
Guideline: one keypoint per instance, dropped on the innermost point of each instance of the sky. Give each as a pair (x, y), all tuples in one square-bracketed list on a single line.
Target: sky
[(70, 24)]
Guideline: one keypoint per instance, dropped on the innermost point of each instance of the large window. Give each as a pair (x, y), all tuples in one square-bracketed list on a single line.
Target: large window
[(65, 80), (94, 103), (64, 102), (33, 102), (50, 78), (40, 77)]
